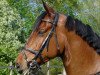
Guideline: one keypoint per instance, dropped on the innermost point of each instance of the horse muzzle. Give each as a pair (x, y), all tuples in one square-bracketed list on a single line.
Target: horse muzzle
[(19, 69), (33, 65)]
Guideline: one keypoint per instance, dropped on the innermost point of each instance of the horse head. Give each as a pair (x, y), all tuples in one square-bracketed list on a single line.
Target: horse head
[(46, 41)]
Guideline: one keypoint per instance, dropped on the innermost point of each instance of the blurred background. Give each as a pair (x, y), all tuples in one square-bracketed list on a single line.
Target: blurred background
[(18, 16)]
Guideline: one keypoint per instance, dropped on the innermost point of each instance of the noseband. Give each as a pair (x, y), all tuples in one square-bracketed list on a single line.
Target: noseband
[(45, 44)]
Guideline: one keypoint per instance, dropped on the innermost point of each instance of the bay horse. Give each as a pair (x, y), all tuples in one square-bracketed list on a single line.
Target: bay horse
[(58, 35)]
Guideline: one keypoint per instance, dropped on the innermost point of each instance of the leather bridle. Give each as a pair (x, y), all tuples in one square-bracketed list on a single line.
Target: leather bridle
[(34, 64)]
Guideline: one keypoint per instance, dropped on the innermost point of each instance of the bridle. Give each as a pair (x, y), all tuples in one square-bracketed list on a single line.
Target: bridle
[(34, 64)]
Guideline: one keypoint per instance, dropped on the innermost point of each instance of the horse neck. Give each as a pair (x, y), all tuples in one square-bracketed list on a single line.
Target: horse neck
[(84, 59)]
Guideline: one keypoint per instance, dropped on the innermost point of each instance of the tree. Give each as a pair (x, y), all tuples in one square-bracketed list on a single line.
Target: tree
[(10, 26)]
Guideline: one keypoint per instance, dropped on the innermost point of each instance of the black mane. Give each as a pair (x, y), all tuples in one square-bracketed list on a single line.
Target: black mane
[(85, 31)]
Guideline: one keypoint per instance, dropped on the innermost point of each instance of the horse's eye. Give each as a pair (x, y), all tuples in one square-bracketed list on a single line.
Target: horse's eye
[(41, 31)]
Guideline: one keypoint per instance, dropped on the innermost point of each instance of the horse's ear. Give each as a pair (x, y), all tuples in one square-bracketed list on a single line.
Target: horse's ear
[(48, 9)]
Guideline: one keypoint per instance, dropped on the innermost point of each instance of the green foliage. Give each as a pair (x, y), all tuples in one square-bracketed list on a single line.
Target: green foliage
[(26, 11), (56, 66), (10, 25)]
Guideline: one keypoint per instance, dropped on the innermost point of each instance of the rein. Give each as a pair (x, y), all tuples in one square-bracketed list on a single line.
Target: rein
[(34, 64)]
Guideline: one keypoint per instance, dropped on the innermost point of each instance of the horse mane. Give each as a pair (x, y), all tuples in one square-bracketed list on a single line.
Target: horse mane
[(85, 31)]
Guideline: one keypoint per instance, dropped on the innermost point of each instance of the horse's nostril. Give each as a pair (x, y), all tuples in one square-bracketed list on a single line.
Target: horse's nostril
[(17, 66)]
